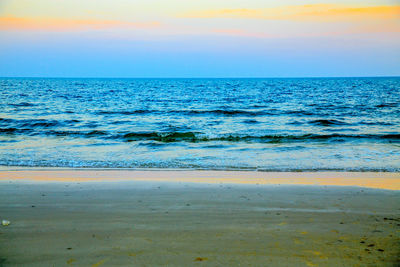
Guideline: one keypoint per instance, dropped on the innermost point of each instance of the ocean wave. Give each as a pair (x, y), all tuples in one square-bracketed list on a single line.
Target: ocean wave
[(124, 112), (35, 123), (23, 104), (44, 124), (163, 137), (334, 122), (387, 105), (327, 122), (9, 130), (171, 165), (250, 121), (193, 112), (167, 137), (236, 112)]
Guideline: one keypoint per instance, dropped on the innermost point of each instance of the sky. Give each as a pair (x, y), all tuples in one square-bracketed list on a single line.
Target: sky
[(199, 38)]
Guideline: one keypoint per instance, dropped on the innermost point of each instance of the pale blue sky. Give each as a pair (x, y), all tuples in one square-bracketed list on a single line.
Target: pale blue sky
[(199, 38)]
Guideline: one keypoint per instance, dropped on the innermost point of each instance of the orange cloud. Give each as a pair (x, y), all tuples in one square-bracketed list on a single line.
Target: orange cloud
[(320, 12), (59, 24), (355, 30), (343, 13)]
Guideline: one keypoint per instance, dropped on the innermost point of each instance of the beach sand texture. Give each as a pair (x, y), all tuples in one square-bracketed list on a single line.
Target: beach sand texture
[(131, 222)]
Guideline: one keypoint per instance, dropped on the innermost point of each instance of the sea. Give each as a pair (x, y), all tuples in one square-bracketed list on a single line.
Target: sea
[(291, 124)]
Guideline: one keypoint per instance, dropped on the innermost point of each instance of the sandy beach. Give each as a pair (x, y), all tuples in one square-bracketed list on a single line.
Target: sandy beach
[(188, 218)]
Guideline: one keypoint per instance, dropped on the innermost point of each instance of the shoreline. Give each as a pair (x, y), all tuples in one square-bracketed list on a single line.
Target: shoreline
[(377, 180)]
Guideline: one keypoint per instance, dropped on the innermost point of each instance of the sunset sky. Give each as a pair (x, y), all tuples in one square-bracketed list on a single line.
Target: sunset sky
[(193, 38)]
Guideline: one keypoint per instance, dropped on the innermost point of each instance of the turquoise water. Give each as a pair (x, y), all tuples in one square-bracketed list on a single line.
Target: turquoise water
[(261, 124)]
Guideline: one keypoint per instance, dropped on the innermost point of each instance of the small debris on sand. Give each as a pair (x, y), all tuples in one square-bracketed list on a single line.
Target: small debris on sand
[(70, 261)]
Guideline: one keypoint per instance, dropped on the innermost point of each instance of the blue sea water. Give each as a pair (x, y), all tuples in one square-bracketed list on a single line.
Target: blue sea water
[(348, 124)]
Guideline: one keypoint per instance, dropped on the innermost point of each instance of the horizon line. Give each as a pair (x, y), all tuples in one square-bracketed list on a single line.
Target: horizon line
[(204, 77)]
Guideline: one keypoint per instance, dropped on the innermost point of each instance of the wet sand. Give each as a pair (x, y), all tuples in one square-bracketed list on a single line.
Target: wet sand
[(72, 219)]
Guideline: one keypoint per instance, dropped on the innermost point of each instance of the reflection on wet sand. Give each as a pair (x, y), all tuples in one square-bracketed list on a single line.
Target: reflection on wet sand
[(378, 180)]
